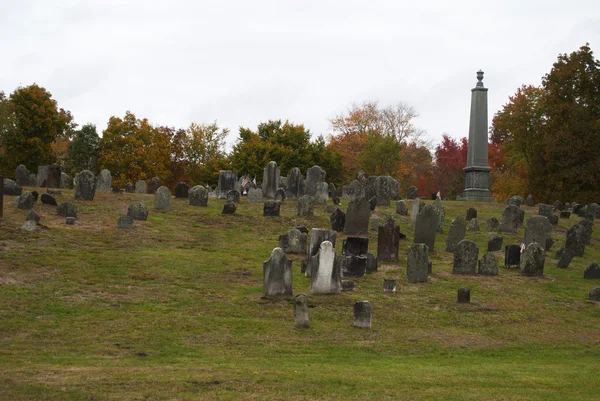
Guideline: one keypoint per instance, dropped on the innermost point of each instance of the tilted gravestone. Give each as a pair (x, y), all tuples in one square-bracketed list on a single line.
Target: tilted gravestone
[(592, 272), (417, 263), (326, 271), (104, 181), (457, 232), (182, 190), (495, 243), (338, 220), (488, 265), (466, 255), (141, 187), (22, 175), (538, 230), (532, 260), (564, 259), (439, 208), (85, 185), (255, 195), (426, 227), (306, 206), (227, 181), (270, 182), (295, 184), (294, 241), (510, 219), (362, 315), (301, 312), (153, 185), (67, 209), (48, 199), (492, 224), (314, 176), (271, 208), (277, 274), (512, 256), (137, 211), (388, 240), (198, 196), (412, 192), (401, 208), (162, 199), (357, 217), (317, 237)]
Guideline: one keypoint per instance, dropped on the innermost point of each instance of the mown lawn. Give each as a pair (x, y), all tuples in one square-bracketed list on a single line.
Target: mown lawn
[(173, 310)]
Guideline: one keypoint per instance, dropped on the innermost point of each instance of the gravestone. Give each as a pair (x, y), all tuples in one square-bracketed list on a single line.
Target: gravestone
[(271, 208), (587, 230), (277, 274), (85, 185), (116, 189), (326, 271), (382, 191), (32, 179), (595, 294), (182, 190), (317, 237), (11, 188), (280, 195), (372, 203), (538, 230), (35, 195), (229, 208), (322, 193), (25, 201), (293, 241), (529, 200), (545, 210), (565, 258), (153, 185), (389, 285), (388, 240), (66, 181), (129, 188), (439, 208), (48, 199), (362, 315), (355, 246), (565, 214), (592, 272), (301, 312), (556, 205), (412, 193), (338, 220), (227, 181), (306, 206), (353, 191), (532, 260), (473, 225), (354, 265), (575, 241), (457, 232), (32, 215), (471, 213), (464, 295), (141, 187), (466, 255), (137, 211), (510, 219), (42, 176), (22, 175), (270, 181), (357, 217), (401, 208), (198, 196), (314, 176), (512, 256), (233, 196), (67, 209), (255, 195), (104, 181), (414, 211), (348, 285), (492, 224), (515, 200), (332, 190), (495, 243), (29, 225), (295, 184), (488, 265), (426, 227), (417, 263), (302, 229), (125, 222), (162, 199)]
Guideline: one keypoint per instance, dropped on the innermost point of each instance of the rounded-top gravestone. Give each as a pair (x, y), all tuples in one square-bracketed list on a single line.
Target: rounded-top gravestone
[(182, 190), (85, 185), (22, 175), (141, 187), (162, 199), (104, 181), (12, 188), (198, 196), (154, 184), (137, 211)]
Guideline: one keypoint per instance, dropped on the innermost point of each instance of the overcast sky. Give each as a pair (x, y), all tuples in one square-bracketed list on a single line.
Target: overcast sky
[(242, 62)]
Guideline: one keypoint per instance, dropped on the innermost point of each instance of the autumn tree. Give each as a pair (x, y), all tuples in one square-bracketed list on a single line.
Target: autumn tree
[(83, 150), (450, 160), (204, 152)]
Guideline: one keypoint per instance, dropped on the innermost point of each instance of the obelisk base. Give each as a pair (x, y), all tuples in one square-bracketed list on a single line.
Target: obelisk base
[(477, 184)]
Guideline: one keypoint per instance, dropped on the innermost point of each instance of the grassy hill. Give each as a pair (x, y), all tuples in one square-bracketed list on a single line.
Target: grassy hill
[(173, 310)]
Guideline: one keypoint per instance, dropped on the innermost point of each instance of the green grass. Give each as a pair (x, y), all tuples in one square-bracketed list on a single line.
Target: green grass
[(173, 310)]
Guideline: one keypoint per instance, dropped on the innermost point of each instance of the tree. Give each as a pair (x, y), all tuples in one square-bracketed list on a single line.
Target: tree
[(83, 150), (204, 152), (450, 160), (36, 123)]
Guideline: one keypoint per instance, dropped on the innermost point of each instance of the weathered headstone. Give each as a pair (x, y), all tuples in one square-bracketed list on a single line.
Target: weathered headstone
[(473, 225), (538, 230), (414, 211), (255, 195), (294, 241), (198, 196), (439, 208), (587, 230), (141, 187), (382, 191), (338, 220), (271, 208), (592, 272), (129, 188), (401, 208), (25, 201), (162, 199), (277, 274), (280, 195), (32, 179), (412, 193), (389, 285), (417, 263), (42, 176), (301, 312), (388, 240), (529, 200), (492, 224), (137, 211), (512, 256), (229, 208), (426, 227), (457, 232), (495, 243), (575, 241), (595, 294), (48, 199), (325, 277), (227, 181), (545, 210), (565, 258), (85, 185), (466, 255), (314, 176), (322, 193), (375, 223), (357, 217), (295, 184), (471, 213), (488, 265), (153, 185), (515, 200), (104, 181), (532, 260), (32, 215), (125, 222), (29, 225), (354, 265), (510, 219), (182, 190), (67, 209), (270, 181), (233, 196), (65, 181), (353, 191), (306, 206), (22, 175), (362, 314), (464, 295), (11, 188), (317, 237)]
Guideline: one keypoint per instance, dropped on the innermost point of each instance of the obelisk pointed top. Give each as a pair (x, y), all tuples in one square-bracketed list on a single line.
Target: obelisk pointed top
[(479, 79)]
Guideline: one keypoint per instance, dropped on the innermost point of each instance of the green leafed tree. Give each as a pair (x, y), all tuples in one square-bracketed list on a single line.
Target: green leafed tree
[(204, 152), (83, 150)]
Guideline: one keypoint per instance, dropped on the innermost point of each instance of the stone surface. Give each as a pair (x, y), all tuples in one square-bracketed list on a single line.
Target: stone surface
[(137, 211), (564, 259), (412, 192), (314, 176), (417, 263), (457, 232), (32, 215), (401, 208), (233, 196), (473, 225), (362, 314), (575, 241), (270, 182), (255, 195), (565, 214), (546, 210), (271, 208), (42, 177), (439, 208), (229, 208), (466, 255), (277, 274), (227, 182), (357, 217), (510, 219), (35, 195), (198, 196), (306, 206), (116, 190), (104, 181), (374, 224), (295, 184), (354, 265), (353, 191), (471, 213), (426, 227), (488, 265), (26, 201), (66, 181), (587, 230), (529, 200), (515, 200), (182, 190), (595, 294), (464, 295), (532, 260), (383, 191), (67, 209), (301, 320), (129, 188), (495, 243), (11, 188), (125, 222), (492, 224), (48, 199), (322, 193), (389, 285), (162, 199), (293, 241), (538, 230), (325, 271), (388, 240), (29, 225), (280, 195), (141, 187), (348, 285), (414, 211), (338, 220), (317, 237), (153, 185), (512, 256), (592, 272), (355, 246), (22, 175), (85, 186)]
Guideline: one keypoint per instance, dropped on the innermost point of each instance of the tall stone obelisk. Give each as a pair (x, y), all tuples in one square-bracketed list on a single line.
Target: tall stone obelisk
[(477, 172)]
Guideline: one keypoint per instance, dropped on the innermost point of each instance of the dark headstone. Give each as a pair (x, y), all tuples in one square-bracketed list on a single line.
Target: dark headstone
[(532, 260), (182, 190), (592, 272), (277, 274), (553, 219), (229, 208), (492, 224), (153, 185), (338, 220), (595, 294), (67, 209), (401, 208), (35, 195), (495, 243), (227, 181), (512, 256), (417, 263), (457, 232), (357, 217), (587, 230), (510, 219), (85, 185), (302, 229), (129, 188), (301, 312), (306, 206), (371, 262), (293, 241), (464, 295), (22, 176), (488, 265), (11, 188), (355, 246), (271, 208), (538, 230), (412, 192), (466, 255), (575, 241), (116, 190), (565, 258), (362, 315), (48, 199), (348, 285), (125, 222), (426, 227), (354, 265), (471, 213), (556, 205), (389, 285), (565, 214), (53, 176), (137, 211), (388, 240), (233, 196), (295, 184), (545, 210)]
